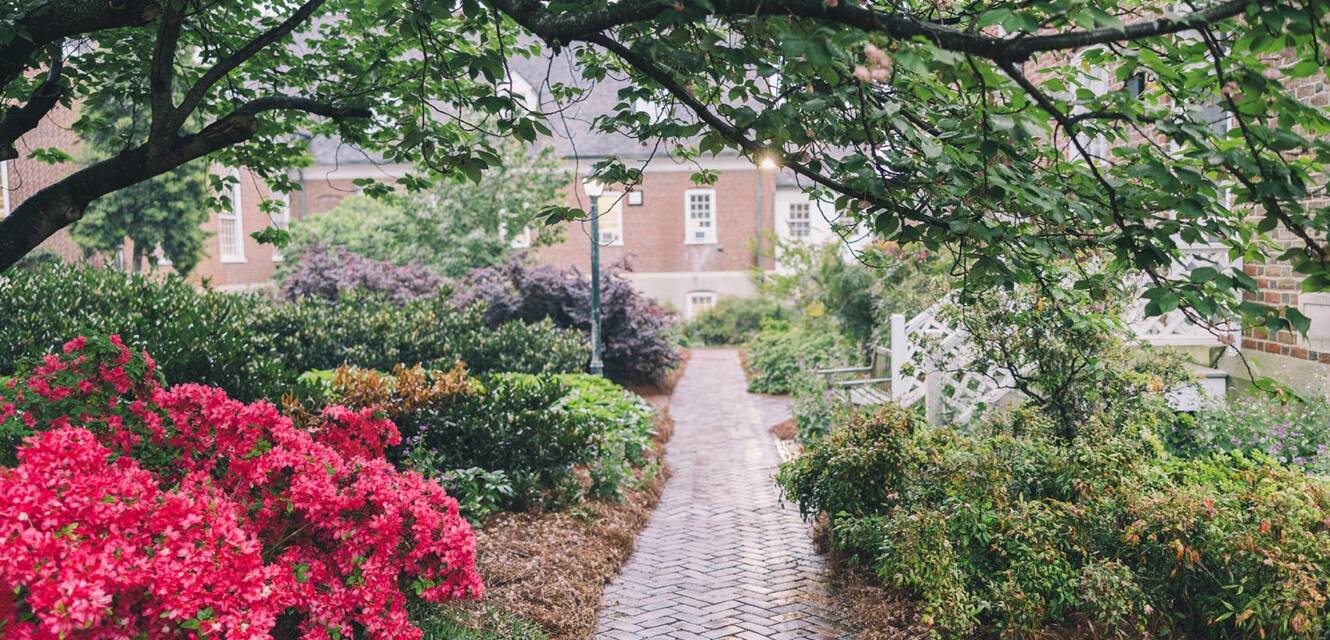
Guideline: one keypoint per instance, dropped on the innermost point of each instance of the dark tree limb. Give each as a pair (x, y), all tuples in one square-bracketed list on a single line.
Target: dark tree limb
[(161, 74), (1019, 48), (20, 120), (57, 20), (238, 57), (665, 79), (64, 202)]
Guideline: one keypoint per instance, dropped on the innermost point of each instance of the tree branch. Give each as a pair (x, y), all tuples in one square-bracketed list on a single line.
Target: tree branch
[(666, 80), (239, 56), (57, 20), (161, 75), (64, 202), (20, 120), (1018, 48)]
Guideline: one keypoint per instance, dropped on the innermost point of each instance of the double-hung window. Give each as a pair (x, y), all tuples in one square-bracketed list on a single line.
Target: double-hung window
[(700, 216), (799, 220), (610, 221), (230, 226)]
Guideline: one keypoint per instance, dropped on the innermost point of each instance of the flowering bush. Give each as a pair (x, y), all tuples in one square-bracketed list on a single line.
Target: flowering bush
[(309, 533), (1288, 430), (636, 330), (94, 546)]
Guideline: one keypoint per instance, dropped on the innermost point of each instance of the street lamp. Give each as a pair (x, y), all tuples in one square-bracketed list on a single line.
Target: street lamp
[(593, 190)]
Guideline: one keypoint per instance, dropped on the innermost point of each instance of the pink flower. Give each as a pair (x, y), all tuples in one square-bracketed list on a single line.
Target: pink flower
[(125, 547), (76, 344)]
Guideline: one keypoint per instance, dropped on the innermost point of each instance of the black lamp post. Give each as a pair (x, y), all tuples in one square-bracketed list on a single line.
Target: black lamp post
[(594, 190)]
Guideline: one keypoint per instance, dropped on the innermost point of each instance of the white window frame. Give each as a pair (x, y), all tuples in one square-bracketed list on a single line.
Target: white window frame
[(235, 215), (281, 220), (1100, 82), (4, 186), (689, 227), (613, 213), (692, 309), (806, 222)]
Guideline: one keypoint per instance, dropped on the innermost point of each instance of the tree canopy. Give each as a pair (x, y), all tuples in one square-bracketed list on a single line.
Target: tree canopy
[(1011, 133), (453, 226)]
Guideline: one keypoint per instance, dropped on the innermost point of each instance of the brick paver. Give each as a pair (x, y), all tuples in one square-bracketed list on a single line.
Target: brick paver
[(721, 556)]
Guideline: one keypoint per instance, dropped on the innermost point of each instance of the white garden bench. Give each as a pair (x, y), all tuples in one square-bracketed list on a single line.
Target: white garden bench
[(864, 385)]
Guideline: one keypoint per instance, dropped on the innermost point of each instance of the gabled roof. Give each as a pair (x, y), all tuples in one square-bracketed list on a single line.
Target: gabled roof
[(572, 123)]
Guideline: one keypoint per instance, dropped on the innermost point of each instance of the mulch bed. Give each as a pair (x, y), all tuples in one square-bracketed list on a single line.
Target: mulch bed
[(785, 429), (551, 568), (665, 387)]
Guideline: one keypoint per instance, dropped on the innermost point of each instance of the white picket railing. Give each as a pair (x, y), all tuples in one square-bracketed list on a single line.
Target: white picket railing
[(930, 357)]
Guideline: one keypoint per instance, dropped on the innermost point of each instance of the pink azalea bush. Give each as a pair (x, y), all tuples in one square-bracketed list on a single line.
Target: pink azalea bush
[(137, 510)]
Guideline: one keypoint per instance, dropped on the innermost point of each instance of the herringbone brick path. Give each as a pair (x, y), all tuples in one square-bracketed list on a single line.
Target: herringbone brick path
[(721, 557)]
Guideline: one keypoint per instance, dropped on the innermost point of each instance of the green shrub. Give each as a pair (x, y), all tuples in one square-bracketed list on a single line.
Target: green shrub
[(1009, 529), (779, 352), (206, 337), (1289, 430), (734, 321), (366, 331), (508, 440), (815, 405), (624, 422), (516, 425), (479, 493)]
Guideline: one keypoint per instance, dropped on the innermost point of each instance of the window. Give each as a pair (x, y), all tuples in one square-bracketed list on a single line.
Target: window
[(281, 219), (698, 302), (799, 219), (610, 221), (4, 185), (231, 228), (1094, 79), (635, 198), (700, 216)]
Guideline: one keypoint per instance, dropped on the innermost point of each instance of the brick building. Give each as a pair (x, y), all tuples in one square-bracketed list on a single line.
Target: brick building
[(687, 245)]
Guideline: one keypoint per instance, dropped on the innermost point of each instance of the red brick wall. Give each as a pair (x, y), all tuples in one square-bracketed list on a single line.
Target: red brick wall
[(319, 194), (654, 231), (27, 176), (1278, 284)]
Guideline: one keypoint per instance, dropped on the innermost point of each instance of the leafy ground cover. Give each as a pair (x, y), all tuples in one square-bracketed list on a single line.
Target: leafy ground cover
[(1013, 530)]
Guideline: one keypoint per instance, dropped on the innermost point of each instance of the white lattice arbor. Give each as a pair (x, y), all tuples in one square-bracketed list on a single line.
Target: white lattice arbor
[(931, 357)]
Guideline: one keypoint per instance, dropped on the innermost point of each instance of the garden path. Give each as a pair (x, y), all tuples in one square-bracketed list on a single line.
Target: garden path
[(721, 556)]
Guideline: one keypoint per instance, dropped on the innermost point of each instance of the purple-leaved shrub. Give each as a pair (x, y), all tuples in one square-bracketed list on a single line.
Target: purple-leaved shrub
[(635, 329), (326, 272)]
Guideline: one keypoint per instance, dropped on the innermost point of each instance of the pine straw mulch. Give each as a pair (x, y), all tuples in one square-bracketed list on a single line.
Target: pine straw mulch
[(785, 429), (551, 568), (665, 387)]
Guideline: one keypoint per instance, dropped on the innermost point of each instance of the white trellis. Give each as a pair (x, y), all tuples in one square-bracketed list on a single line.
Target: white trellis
[(931, 357)]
